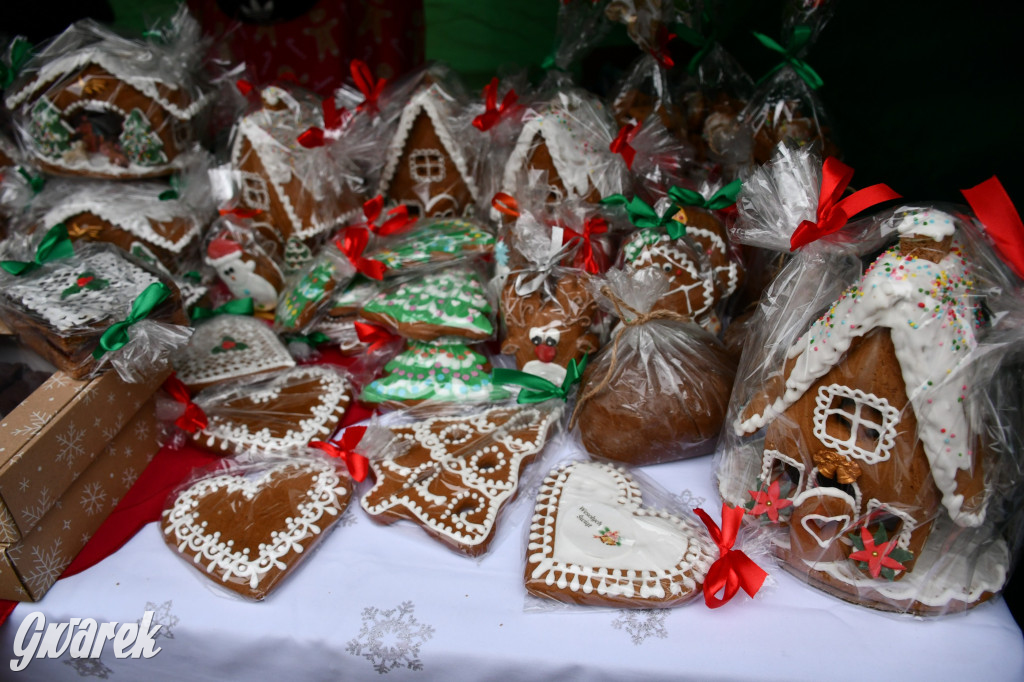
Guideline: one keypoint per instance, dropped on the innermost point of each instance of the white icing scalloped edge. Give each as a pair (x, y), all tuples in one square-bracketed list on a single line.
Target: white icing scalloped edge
[(326, 498), (630, 584)]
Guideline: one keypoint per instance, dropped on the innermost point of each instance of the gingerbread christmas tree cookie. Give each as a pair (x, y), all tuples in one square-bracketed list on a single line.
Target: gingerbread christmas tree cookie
[(434, 241), (440, 303), (426, 371), (459, 472)]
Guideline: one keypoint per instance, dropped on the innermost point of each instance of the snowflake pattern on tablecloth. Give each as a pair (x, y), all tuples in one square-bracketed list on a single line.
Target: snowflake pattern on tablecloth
[(93, 498), (640, 624), (391, 639), (47, 565), (36, 421), (349, 517), (89, 667), (163, 617), (70, 445)]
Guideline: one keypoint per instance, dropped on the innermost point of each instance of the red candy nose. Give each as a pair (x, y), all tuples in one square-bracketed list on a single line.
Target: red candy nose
[(544, 352)]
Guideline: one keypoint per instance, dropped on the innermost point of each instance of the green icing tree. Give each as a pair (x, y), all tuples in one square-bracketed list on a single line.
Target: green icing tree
[(140, 143), (447, 239), (425, 371), (51, 134), (453, 301)]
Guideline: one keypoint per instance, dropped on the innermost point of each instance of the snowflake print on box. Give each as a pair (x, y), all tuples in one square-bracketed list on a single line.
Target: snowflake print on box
[(424, 371), (444, 303), (391, 639), (640, 624)]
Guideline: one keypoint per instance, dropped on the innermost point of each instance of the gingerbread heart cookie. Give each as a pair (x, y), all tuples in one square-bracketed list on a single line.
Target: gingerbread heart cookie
[(230, 347), (248, 527), (593, 542), (275, 412), (459, 472)]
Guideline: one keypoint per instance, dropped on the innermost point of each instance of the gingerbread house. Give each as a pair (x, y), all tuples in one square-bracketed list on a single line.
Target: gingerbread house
[(568, 139), (867, 455), (131, 216), (289, 184), (428, 166), (92, 103)]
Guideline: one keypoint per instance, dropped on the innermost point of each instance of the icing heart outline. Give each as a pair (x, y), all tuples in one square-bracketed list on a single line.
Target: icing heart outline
[(645, 587), (327, 496), (825, 520), (333, 398)]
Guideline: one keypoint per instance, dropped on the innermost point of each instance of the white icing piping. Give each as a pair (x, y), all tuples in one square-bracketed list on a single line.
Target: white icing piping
[(327, 497), (429, 100)]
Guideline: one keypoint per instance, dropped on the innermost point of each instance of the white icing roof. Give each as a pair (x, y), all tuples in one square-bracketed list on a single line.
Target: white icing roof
[(440, 107), (137, 64), (577, 133), (925, 307), (273, 134), (129, 207), (926, 222)]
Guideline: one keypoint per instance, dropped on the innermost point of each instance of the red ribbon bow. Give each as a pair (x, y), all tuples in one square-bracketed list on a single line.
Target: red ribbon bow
[(492, 112), (358, 465), (377, 337), (244, 87), (352, 243), (505, 204), (333, 120), (590, 257), (621, 143), (733, 569), (398, 221), (239, 212), (834, 212), (662, 54), (992, 205), (193, 419), (370, 88)]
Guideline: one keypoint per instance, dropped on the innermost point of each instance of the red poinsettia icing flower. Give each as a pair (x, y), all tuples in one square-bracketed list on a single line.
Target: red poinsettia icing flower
[(769, 501), (876, 556), (227, 344)]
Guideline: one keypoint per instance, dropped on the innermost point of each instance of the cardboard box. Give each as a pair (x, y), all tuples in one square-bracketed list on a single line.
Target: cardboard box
[(53, 436), (30, 567)]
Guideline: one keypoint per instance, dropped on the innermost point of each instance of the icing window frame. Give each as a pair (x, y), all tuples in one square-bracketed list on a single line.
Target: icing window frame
[(876, 508), (842, 424), (427, 165), (771, 458), (255, 193)]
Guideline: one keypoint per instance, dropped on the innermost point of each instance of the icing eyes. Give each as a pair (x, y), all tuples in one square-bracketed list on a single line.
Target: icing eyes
[(545, 336), (667, 267)]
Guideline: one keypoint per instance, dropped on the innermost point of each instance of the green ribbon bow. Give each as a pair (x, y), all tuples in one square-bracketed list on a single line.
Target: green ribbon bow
[(20, 51), (238, 306), (55, 245), (643, 215), (538, 389), (116, 335), (701, 42), (36, 182), (801, 36), (174, 192), (312, 339), (193, 276), (723, 198)]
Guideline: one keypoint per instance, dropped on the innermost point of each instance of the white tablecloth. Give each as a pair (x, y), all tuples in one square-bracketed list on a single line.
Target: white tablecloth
[(386, 603)]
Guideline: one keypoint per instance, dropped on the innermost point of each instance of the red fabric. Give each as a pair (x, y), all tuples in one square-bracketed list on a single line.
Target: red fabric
[(316, 47), (144, 502), (1003, 224)]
